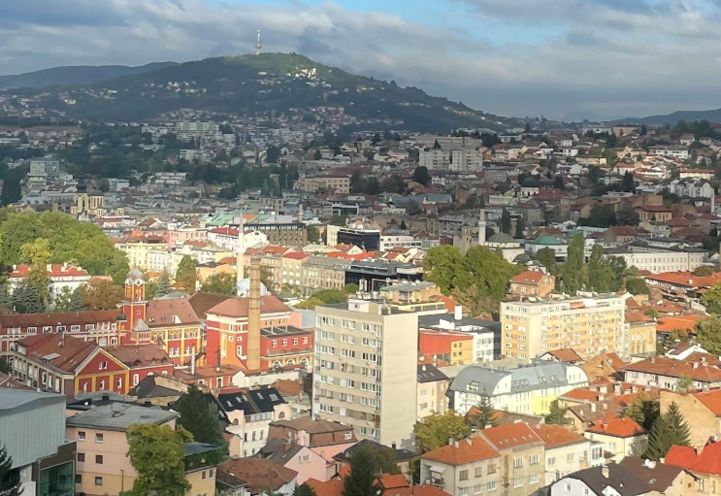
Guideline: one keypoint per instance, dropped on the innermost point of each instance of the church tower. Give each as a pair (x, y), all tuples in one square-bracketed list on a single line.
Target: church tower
[(134, 303)]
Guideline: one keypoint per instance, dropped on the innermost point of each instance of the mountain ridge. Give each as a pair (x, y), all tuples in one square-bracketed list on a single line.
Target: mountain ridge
[(271, 82)]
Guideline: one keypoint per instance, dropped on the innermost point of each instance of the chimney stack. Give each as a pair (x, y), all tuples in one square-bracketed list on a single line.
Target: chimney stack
[(240, 256), (253, 350)]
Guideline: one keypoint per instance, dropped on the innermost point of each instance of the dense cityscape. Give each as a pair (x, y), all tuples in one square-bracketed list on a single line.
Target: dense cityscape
[(265, 276)]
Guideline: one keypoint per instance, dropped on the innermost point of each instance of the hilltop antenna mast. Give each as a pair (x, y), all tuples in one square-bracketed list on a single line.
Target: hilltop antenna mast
[(258, 44)]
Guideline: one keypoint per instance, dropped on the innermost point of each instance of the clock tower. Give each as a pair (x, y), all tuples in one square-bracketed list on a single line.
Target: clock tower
[(134, 303)]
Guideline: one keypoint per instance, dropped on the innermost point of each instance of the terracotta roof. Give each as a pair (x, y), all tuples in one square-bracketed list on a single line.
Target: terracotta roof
[(468, 450), (686, 279), (313, 426), (21, 271), (140, 355), (57, 318), (669, 323), (618, 427), (170, 311), (288, 387), (511, 435), (669, 367), (566, 355), (636, 317), (711, 399), (202, 302), (296, 255), (255, 474), (67, 352), (708, 461), (238, 307), (555, 436), (333, 487), (528, 277)]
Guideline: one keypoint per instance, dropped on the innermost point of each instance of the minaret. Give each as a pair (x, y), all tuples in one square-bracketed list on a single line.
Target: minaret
[(240, 257), (482, 226), (258, 44)]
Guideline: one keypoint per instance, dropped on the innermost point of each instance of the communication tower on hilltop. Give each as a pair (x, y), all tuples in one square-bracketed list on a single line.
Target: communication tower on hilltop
[(258, 44)]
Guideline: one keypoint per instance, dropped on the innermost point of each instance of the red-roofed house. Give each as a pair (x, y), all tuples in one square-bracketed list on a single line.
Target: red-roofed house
[(567, 451), (522, 454), (461, 465), (66, 365), (532, 283), (59, 276), (565, 355), (664, 372), (704, 465), (621, 437)]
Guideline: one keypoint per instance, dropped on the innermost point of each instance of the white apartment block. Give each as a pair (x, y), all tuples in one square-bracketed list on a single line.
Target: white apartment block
[(456, 160), (365, 370), (662, 260)]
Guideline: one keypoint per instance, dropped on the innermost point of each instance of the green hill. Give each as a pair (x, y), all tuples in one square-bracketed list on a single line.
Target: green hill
[(249, 84)]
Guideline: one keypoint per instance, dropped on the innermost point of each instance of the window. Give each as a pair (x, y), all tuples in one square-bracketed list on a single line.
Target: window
[(119, 383), (551, 461), (78, 479), (477, 489), (98, 481), (103, 366), (533, 479), (463, 475), (491, 468), (98, 437), (491, 485), (101, 384), (99, 459), (274, 343), (74, 328), (81, 457), (136, 379), (462, 491), (81, 435), (518, 462), (32, 330), (534, 459), (348, 436), (284, 342), (517, 480), (478, 472), (570, 457)]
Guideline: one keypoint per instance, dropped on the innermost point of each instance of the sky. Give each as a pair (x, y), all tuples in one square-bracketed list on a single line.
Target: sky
[(564, 59)]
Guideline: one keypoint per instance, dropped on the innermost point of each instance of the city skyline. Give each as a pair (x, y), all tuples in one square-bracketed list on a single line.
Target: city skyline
[(572, 59)]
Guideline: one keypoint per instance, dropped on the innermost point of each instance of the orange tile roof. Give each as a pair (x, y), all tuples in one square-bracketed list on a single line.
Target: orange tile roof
[(686, 322), (67, 352), (333, 487), (670, 367), (711, 399), (528, 277), (708, 461), (238, 307), (618, 427), (686, 279), (468, 450), (566, 355), (555, 436), (511, 435)]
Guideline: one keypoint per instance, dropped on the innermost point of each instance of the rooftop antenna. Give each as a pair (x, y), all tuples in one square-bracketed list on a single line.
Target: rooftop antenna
[(258, 44)]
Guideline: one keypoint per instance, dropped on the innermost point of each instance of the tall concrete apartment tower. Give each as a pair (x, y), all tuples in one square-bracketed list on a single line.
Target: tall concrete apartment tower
[(365, 373), (482, 226)]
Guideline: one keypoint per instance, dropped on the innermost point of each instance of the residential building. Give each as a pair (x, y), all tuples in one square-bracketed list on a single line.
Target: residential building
[(588, 324), (566, 451), (486, 334), (61, 278), (322, 436), (620, 436), (640, 334), (632, 477), (532, 283), (432, 389), (664, 372), (304, 461), (248, 413), (701, 410), (100, 326), (657, 260), (332, 184), (322, 273), (32, 430), (365, 372), (66, 365), (445, 347), (463, 468), (523, 389), (255, 477), (702, 464), (522, 457)]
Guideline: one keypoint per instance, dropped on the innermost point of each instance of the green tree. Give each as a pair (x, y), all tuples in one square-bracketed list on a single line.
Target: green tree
[(556, 414), (161, 287), (362, 479), (414, 208), (303, 490), (440, 265), (186, 276), (667, 430), (486, 416), (547, 257), (573, 273), (313, 234), (100, 294), (708, 334), (350, 288), (9, 477), (599, 274), (221, 283), (421, 175), (324, 297), (520, 227), (157, 454), (436, 430), (27, 299), (711, 299), (643, 409), (627, 215), (198, 414), (67, 301), (636, 286)]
